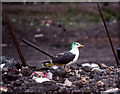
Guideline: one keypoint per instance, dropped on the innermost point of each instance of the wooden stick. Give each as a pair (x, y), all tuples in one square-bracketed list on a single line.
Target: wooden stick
[(36, 47), (15, 40), (109, 37)]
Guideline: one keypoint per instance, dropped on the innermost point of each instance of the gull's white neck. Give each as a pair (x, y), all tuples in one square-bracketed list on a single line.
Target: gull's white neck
[(74, 51)]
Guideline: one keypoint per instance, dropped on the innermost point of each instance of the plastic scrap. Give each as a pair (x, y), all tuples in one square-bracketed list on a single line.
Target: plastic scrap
[(54, 67), (97, 69), (89, 66), (3, 89), (7, 63), (49, 75), (4, 45), (109, 91), (100, 83), (40, 79), (68, 83), (37, 73), (38, 35), (2, 65), (111, 68), (102, 65), (93, 65), (84, 80)]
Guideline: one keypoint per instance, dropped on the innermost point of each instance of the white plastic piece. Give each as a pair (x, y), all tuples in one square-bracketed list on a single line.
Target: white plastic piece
[(93, 65), (68, 83), (85, 64), (40, 80), (3, 89), (113, 90), (2, 65), (50, 75), (38, 35), (97, 69), (55, 67)]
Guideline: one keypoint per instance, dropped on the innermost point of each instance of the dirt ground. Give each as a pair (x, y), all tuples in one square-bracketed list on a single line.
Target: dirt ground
[(71, 22)]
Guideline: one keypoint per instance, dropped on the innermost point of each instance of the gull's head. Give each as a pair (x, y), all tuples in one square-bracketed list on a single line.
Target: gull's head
[(76, 45)]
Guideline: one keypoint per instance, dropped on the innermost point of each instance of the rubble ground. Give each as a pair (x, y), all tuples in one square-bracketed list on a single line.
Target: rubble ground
[(90, 78)]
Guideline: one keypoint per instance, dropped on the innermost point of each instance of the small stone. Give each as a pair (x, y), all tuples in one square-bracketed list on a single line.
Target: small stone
[(20, 75), (55, 92), (111, 68), (10, 77), (100, 83), (102, 66), (77, 91), (79, 85), (84, 81), (68, 83), (87, 68), (17, 83), (26, 71)]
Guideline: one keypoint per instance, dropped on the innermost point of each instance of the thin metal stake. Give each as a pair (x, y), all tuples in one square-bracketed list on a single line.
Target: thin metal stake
[(36, 47), (109, 37), (15, 40)]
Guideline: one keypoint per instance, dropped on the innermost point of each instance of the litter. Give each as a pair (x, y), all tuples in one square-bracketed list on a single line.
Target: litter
[(92, 65), (111, 68), (84, 80), (2, 65), (88, 67), (49, 75), (3, 89), (8, 63), (38, 35), (54, 67), (100, 83), (97, 69), (37, 73), (4, 45), (111, 91), (101, 65), (50, 21), (40, 80), (14, 20), (68, 83), (38, 30)]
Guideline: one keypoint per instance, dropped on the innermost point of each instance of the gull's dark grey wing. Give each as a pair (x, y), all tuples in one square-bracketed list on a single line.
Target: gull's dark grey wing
[(63, 58)]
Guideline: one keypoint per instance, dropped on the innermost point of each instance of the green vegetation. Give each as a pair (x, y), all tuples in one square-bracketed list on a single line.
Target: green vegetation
[(73, 11), (110, 14), (71, 17)]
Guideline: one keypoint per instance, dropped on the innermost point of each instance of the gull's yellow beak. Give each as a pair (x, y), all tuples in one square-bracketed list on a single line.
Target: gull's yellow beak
[(82, 45)]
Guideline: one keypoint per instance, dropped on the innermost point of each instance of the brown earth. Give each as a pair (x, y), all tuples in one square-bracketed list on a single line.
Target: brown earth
[(58, 37)]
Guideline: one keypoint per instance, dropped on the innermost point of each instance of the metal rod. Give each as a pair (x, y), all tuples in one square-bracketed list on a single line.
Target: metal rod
[(36, 47), (109, 37), (15, 40), (118, 16)]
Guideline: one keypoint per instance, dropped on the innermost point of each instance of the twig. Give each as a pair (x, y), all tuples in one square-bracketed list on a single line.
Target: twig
[(15, 40), (109, 37), (36, 47)]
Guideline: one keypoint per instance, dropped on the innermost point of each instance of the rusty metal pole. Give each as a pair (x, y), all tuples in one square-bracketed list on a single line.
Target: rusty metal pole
[(36, 47), (118, 16), (109, 37), (15, 40)]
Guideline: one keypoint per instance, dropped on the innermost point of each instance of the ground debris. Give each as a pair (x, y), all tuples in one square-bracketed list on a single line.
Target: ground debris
[(77, 80)]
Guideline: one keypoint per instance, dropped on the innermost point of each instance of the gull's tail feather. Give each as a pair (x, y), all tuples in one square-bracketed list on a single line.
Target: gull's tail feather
[(46, 63), (49, 63)]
